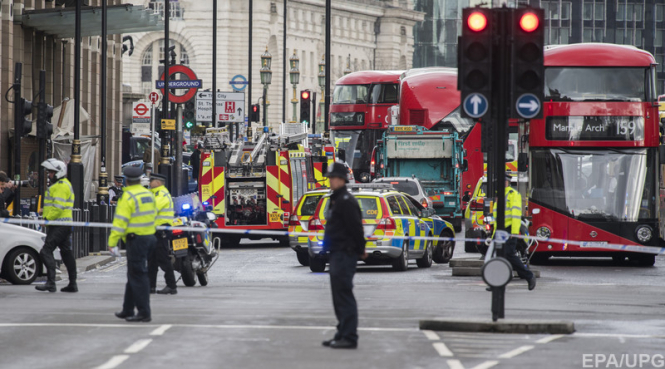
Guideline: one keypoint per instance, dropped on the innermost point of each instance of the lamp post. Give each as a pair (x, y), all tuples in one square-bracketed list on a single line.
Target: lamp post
[(266, 78), (322, 84), (295, 78)]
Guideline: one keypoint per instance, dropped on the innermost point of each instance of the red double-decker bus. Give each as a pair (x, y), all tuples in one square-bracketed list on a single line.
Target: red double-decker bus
[(360, 114), (594, 155)]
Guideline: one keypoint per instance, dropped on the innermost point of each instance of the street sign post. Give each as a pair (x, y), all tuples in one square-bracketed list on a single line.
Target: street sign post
[(476, 105), (238, 82), (192, 84), (168, 124), (527, 106), (153, 97), (230, 107), (140, 113)]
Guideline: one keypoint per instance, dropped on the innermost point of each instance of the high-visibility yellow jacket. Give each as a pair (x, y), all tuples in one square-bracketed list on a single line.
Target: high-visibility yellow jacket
[(135, 213), (165, 212), (513, 211), (59, 201)]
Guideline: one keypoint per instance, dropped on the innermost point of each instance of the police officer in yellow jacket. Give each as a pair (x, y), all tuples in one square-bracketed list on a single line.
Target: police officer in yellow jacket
[(134, 222), (58, 205), (161, 256), (513, 223)]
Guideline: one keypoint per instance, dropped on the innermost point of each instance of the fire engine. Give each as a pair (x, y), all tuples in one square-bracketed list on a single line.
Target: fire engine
[(253, 185)]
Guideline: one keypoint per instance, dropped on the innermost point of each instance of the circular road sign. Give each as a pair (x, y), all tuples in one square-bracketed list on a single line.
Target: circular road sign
[(141, 109), (497, 272), (475, 105), (238, 82), (528, 106), (154, 97), (175, 69)]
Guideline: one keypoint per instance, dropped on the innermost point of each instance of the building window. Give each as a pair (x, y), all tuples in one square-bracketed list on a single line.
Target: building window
[(660, 10), (587, 35), (147, 56), (659, 38), (638, 37), (554, 36), (620, 36), (588, 11), (621, 12), (599, 11), (598, 35), (638, 12), (176, 10), (660, 59), (564, 35), (565, 10), (547, 36), (629, 37)]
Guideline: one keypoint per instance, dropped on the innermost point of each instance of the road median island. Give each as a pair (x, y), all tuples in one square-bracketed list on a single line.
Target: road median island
[(523, 326)]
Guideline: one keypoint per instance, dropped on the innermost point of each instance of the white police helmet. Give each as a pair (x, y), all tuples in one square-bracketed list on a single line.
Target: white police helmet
[(57, 166)]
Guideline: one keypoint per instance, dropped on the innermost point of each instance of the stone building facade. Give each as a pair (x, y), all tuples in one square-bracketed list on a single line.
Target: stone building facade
[(37, 51), (372, 34)]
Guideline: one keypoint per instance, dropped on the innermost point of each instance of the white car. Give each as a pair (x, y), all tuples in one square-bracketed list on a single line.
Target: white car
[(19, 254)]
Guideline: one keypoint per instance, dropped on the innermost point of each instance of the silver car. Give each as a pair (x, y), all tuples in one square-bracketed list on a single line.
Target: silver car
[(410, 186)]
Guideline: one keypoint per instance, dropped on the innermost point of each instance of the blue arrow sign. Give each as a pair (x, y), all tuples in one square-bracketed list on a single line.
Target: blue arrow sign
[(180, 84), (475, 105), (238, 82), (528, 106)]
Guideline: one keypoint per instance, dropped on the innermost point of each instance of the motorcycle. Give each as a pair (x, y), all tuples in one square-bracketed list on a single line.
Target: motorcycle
[(193, 252)]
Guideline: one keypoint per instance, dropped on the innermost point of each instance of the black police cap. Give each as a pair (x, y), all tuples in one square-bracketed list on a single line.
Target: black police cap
[(338, 170), (158, 177), (132, 173)]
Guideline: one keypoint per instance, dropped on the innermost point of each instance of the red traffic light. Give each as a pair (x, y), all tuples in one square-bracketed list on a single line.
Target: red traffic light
[(255, 108), (529, 22), (477, 21), (304, 95)]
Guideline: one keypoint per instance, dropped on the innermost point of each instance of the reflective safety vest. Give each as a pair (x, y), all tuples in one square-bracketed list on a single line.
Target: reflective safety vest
[(513, 211), (135, 213), (59, 201), (165, 212)]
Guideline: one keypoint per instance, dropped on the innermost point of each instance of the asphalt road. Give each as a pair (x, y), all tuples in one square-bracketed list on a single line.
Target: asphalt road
[(263, 310)]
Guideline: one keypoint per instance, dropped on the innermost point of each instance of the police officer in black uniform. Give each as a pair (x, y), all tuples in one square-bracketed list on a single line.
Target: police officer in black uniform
[(345, 239), (115, 192)]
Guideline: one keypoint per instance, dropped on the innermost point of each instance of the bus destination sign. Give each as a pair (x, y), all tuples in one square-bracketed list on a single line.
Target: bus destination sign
[(595, 128)]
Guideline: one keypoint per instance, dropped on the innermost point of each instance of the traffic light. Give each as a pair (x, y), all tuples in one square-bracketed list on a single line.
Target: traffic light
[(305, 107), (255, 113), (44, 125), (25, 107), (527, 75), (474, 77), (189, 115)]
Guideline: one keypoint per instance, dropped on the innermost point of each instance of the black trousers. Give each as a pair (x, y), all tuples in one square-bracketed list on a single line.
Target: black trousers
[(342, 269), (510, 253), (60, 237), (161, 259), (137, 290)]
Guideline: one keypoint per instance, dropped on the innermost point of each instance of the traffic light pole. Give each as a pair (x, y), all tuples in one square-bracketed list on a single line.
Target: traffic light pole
[(18, 122), (41, 141), (165, 166), (500, 114), (75, 168), (103, 191), (177, 188)]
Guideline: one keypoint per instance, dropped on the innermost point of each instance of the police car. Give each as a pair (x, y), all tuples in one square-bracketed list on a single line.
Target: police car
[(299, 222), (386, 212)]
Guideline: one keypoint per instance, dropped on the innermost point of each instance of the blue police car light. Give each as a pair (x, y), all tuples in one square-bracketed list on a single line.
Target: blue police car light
[(266, 130), (186, 206), (320, 243), (205, 203)]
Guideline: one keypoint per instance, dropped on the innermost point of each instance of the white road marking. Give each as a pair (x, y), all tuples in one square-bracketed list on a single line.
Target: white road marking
[(431, 336), (138, 346), (515, 352), (549, 338), (455, 364), (616, 335), (486, 365), (289, 327), (442, 349), (113, 362), (160, 331)]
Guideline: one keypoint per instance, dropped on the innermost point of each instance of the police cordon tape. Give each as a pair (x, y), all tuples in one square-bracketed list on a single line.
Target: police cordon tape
[(253, 232)]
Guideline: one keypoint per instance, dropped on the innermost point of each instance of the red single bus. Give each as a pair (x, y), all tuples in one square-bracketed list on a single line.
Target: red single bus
[(594, 154), (360, 114)]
